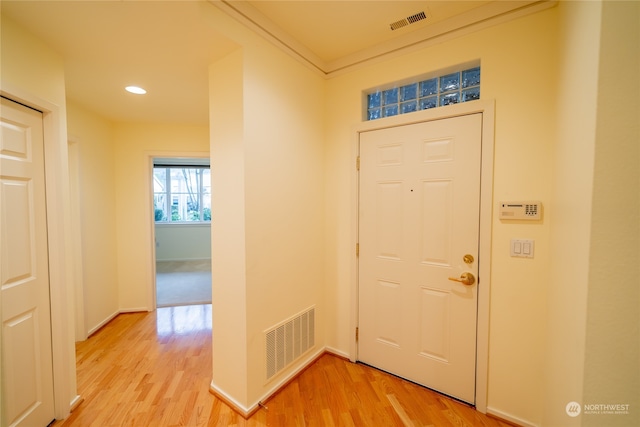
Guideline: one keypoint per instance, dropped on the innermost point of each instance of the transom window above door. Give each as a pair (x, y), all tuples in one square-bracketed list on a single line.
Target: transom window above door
[(181, 190), (423, 93)]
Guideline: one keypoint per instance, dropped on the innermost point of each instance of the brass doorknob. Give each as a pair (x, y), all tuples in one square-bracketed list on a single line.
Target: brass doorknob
[(467, 279)]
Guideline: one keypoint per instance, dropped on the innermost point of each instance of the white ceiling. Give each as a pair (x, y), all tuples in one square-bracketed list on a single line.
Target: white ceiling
[(166, 46)]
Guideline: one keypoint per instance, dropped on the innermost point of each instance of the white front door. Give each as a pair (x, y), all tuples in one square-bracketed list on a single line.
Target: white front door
[(27, 369), (418, 229)]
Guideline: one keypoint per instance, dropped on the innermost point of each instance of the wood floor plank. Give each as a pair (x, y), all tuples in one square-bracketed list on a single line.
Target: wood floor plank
[(154, 369)]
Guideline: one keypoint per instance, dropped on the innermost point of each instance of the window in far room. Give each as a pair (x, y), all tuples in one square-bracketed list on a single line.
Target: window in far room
[(181, 192)]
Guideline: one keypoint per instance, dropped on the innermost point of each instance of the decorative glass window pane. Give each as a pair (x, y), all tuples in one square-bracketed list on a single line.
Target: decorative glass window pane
[(450, 82), (471, 77), (461, 86), (450, 98), (376, 113), (471, 94), (409, 107), (429, 87), (391, 110), (430, 102), (374, 99), (409, 92), (391, 96)]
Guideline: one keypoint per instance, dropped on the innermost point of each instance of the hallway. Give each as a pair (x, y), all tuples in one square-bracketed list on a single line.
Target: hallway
[(154, 369)]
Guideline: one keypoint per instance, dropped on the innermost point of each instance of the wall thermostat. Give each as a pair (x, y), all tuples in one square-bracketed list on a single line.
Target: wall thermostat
[(521, 210)]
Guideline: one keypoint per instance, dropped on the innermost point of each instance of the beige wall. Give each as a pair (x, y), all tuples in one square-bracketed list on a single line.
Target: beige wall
[(92, 149), (592, 313), (282, 144), (284, 179), (135, 146), (267, 139), (229, 266), (519, 71), (612, 342), (25, 60), (560, 108), (572, 167), (34, 74)]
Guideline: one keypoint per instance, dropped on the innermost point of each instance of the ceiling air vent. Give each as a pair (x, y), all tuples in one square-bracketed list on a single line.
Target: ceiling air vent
[(408, 20)]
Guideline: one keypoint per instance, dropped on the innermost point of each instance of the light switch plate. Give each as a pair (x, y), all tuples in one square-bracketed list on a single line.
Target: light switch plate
[(522, 248)]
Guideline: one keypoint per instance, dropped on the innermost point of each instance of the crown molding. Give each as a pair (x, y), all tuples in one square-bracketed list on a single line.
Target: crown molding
[(490, 14), (253, 19)]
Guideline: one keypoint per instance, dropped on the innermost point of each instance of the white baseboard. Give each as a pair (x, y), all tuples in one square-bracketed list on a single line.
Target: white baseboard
[(101, 324), (235, 405), (134, 310), (282, 382), (75, 402), (338, 353), (113, 316), (508, 417), (246, 412)]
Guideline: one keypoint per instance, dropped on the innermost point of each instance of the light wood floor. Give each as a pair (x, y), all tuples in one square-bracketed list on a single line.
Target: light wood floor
[(154, 369)]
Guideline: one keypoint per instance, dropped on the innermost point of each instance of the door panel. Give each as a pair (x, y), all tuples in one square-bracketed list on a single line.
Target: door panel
[(389, 219), (435, 224), (27, 369), (419, 216), (388, 305), (435, 324)]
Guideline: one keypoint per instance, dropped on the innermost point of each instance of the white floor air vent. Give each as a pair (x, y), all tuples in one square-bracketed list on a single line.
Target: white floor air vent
[(289, 340)]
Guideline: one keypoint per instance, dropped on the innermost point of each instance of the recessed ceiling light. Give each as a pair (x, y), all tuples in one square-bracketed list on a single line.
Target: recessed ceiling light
[(135, 89)]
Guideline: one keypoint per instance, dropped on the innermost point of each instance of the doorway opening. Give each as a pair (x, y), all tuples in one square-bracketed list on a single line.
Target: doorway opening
[(182, 231)]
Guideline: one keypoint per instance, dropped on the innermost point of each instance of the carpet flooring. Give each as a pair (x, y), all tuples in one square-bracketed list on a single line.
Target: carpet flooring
[(183, 283)]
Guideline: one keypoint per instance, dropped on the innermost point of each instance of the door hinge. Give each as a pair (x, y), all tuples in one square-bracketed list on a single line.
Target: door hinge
[(358, 163), (357, 249), (357, 333)]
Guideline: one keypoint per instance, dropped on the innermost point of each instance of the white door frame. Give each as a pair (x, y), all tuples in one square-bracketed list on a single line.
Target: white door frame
[(59, 247), (486, 108), (150, 155)]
